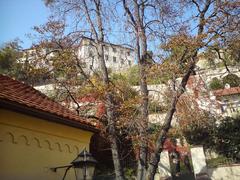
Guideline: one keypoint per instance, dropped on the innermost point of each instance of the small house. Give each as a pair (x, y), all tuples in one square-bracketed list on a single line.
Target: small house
[(37, 134)]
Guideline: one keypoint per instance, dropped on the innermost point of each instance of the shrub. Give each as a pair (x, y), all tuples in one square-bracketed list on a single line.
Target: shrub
[(223, 138), (232, 79), (198, 129), (216, 84), (197, 134), (116, 77), (227, 138), (133, 76), (215, 162)]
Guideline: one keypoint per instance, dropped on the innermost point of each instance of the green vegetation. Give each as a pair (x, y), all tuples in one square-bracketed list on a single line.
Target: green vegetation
[(216, 84), (220, 160), (200, 133), (222, 137), (156, 107), (227, 138), (131, 76), (8, 58), (154, 128), (10, 54), (232, 79)]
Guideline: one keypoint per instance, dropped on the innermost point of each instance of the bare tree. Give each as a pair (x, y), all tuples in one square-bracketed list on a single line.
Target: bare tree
[(208, 11), (99, 37), (138, 12), (91, 14)]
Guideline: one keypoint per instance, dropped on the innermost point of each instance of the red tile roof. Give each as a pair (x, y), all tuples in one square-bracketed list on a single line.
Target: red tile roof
[(26, 96), (226, 92)]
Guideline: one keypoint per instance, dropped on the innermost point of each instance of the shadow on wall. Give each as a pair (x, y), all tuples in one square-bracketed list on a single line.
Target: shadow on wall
[(202, 176)]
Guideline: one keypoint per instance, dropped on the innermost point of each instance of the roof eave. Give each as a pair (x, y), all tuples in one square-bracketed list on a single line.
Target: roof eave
[(14, 106)]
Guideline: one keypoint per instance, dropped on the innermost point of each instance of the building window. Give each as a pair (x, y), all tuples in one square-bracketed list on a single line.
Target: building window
[(114, 59), (106, 48), (47, 50), (114, 49), (122, 61), (90, 54), (224, 106), (106, 57)]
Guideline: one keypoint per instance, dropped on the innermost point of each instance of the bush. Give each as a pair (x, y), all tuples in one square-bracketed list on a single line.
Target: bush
[(197, 126), (223, 138), (116, 77), (133, 76), (220, 160), (227, 138), (232, 79), (196, 134), (216, 84)]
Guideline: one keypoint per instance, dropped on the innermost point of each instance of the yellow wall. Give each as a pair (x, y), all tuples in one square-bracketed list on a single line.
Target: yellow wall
[(29, 146)]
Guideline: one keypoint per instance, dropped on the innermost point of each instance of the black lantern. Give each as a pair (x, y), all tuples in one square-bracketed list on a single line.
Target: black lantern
[(84, 166)]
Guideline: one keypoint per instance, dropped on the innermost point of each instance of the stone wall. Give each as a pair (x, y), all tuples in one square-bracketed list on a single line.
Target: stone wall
[(230, 172)]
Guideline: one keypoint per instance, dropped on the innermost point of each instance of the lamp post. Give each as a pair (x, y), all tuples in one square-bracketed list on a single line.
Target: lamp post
[(84, 166)]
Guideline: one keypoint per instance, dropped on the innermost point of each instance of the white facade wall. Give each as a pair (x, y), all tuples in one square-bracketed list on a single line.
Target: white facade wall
[(230, 105), (117, 58), (36, 58)]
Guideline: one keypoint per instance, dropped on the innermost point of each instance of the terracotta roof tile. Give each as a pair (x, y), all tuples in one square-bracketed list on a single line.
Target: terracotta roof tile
[(25, 95), (227, 91)]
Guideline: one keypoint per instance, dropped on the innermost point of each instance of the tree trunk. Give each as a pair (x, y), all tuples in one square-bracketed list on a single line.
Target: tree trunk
[(109, 97), (143, 125), (155, 156)]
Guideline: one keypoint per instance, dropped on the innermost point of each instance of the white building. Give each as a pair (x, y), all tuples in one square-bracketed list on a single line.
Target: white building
[(117, 58), (37, 58)]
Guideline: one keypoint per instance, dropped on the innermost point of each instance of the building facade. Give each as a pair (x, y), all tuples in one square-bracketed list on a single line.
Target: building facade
[(37, 134), (117, 58)]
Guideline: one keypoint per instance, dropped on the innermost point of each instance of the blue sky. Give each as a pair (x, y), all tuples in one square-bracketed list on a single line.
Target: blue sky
[(17, 18)]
